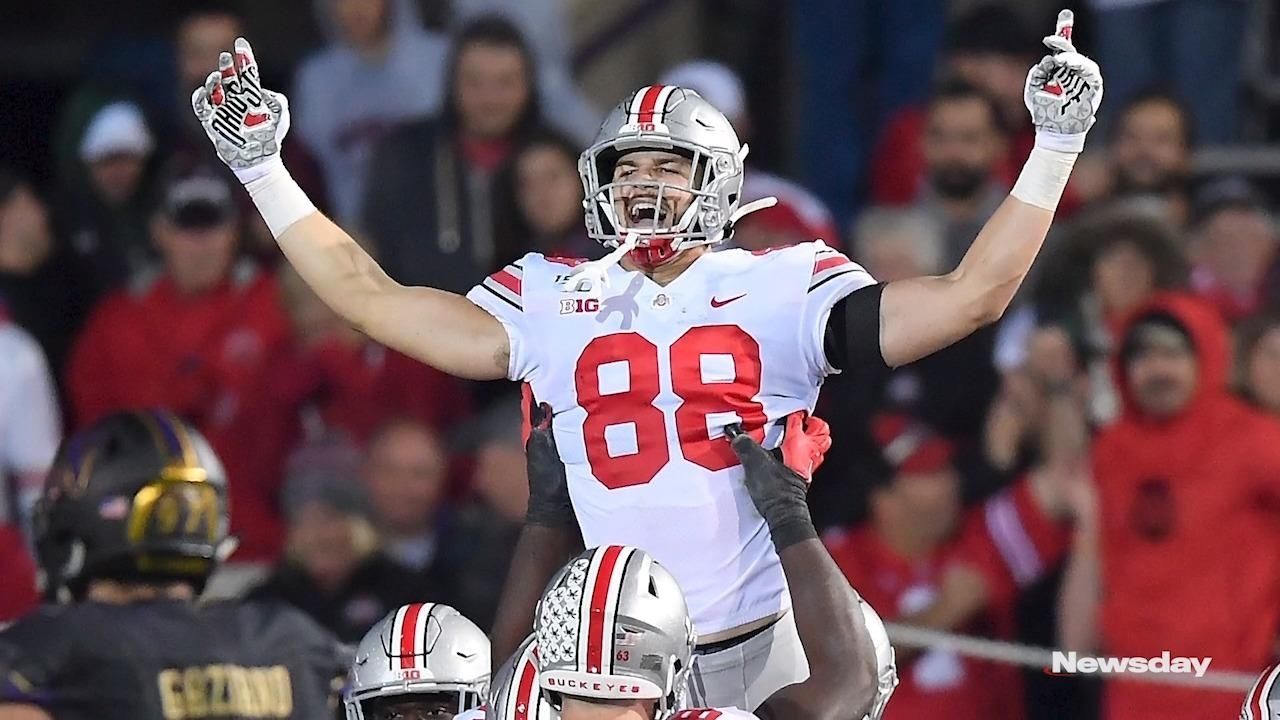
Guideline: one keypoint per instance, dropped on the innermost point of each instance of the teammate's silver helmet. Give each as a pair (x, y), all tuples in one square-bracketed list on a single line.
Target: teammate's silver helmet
[(613, 624), (886, 662), (515, 693), (420, 649), (1263, 700), (665, 117)]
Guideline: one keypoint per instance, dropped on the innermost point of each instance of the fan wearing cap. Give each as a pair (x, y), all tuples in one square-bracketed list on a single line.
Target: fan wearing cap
[(106, 207), (1188, 489), (1234, 248), (924, 559), (191, 334)]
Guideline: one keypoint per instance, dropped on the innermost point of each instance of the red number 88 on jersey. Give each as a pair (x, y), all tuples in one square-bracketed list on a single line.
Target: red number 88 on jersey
[(693, 357)]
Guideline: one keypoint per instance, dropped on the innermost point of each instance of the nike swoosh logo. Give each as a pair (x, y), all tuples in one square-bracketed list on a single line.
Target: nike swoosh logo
[(255, 119), (721, 303)]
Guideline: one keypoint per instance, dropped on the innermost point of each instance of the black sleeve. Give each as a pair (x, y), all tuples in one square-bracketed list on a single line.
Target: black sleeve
[(33, 651), (852, 341)]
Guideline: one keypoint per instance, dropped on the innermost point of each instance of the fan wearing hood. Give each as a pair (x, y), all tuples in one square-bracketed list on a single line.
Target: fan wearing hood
[(1185, 555)]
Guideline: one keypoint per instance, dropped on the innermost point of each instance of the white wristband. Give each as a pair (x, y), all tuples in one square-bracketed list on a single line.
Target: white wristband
[(1044, 177), (279, 199)]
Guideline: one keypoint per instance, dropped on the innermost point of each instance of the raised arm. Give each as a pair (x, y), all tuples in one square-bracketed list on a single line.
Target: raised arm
[(845, 672), (246, 125), (922, 315)]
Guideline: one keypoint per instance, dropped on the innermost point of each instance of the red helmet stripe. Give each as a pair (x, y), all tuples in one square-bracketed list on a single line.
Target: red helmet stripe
[(599, 602), (524, 693), (409, 644), (649, 103)]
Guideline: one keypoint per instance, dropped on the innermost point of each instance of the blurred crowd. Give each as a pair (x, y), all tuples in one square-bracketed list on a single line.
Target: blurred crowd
[(1099, 470)]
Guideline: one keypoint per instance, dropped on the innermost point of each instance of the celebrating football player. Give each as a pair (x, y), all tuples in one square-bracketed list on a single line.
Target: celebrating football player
[(647, 355)]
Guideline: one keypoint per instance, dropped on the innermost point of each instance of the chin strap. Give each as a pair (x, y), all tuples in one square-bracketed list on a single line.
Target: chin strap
[(592, 276)]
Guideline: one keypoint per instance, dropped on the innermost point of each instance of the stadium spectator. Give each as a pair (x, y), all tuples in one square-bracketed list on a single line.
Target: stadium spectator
[(407, 472), (38, 280), (483, 536), (333, 569), (430, 213), (988, 48), (1185, 479), (30, 430), (544, 23), (200, 37), (964, 145), (379, 70), (190, 338), (799, 215), (1150, 152), (539, 201), (322, 377), (107, 209), (1258, 362), (1133, 45), (1112, 261), (923, 559), (1233, 249)]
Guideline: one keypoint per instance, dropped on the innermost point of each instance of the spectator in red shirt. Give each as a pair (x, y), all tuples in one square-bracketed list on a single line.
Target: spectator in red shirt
[(192, 337), (322, 378), (1185, 556), (988, 49), (923, 560)]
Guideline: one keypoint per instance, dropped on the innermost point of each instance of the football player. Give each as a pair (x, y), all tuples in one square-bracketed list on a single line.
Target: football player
[(132, 521), (1263, 700), (648, 354), (615, 640), (423, 661), (516, 693)]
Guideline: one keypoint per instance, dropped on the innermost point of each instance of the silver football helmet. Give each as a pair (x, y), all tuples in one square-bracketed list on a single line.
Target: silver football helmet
[(422, 650), (515, 693), (613, 624), (666, 117), (886, 661), (1263, 700)]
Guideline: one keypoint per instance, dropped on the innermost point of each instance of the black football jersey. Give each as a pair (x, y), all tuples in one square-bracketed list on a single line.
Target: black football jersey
[(172, 660)]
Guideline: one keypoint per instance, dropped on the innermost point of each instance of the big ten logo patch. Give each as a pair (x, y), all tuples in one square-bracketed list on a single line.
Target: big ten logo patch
[(569, 306)]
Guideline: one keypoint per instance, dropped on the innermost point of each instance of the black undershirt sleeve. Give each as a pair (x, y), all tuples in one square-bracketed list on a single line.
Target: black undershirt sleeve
[(852, 342)]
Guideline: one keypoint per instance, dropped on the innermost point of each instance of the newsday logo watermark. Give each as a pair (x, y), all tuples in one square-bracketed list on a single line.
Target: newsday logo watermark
[(1073, 663)]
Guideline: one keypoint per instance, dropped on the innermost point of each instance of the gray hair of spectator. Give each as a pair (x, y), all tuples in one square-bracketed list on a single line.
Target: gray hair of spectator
[(922, 229), (326, 471)]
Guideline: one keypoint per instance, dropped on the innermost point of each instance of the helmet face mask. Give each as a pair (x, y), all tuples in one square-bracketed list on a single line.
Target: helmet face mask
[(664, 119), (419, 654)]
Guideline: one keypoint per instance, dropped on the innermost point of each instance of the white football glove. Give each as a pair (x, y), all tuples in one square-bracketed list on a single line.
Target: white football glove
[(1063, 91), (245, 122)]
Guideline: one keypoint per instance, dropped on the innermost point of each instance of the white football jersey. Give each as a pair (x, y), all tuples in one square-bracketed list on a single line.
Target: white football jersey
[(643, 378)]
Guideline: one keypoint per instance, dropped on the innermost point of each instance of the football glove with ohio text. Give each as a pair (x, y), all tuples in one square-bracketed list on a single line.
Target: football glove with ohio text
[(1063, 91), (245, 122)]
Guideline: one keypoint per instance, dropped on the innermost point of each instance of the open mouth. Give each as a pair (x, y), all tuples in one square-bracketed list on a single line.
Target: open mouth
[(641, 212)]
